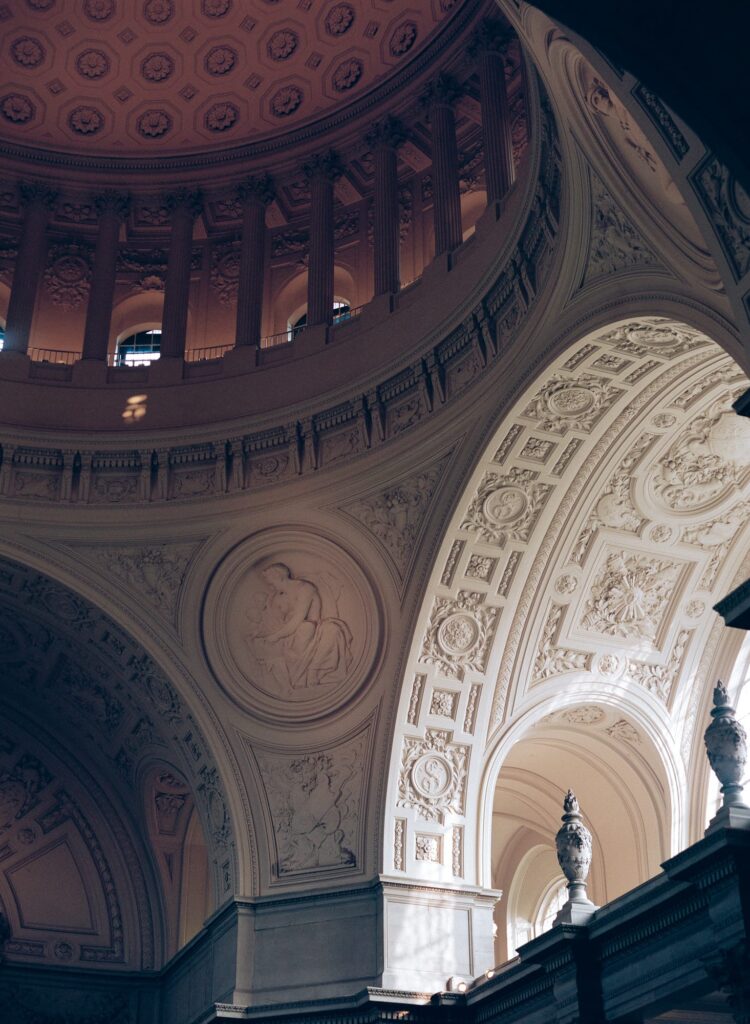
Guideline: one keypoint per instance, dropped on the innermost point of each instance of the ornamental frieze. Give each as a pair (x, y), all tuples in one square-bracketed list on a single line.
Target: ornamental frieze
[(432, 777), (506, 506), (459, 635)]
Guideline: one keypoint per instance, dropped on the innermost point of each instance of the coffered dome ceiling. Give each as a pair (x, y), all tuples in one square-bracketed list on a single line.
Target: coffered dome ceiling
[(165, 78)]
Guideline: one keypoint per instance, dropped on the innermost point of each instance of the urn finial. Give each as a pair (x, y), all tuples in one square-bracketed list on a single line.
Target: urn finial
[(726, 748), (573, 843)]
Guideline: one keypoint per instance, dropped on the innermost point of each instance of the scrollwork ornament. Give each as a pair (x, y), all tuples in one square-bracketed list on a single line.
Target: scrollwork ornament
[(433, 775), (68, 277), (726, 748)]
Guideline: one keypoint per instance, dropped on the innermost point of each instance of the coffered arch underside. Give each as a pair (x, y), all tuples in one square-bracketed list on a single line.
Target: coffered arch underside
[(82, 674), (605, 518)]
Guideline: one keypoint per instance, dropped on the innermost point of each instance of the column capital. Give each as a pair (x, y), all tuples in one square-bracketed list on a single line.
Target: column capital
[(35, 193), (442, 91), (323, 165), (184, 199), (386, 134), (490, 36), (259, 189), (117, 202)]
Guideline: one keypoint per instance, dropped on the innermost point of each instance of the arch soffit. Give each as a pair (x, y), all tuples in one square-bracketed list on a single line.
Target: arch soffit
[(637, 141), (61, 828), (135, 662), (482, 594)]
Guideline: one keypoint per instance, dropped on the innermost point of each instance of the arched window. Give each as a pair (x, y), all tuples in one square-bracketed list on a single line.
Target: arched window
[(552, 901), (342, 310), (139, 348)]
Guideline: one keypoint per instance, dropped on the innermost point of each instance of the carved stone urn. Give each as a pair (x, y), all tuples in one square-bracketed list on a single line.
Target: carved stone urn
[(726, 747), (573, 843)]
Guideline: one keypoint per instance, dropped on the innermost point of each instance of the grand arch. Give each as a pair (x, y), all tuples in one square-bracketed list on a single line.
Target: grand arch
[(567, 626), (108, 784)]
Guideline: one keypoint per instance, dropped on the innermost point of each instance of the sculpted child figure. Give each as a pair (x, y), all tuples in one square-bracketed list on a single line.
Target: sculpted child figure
[(292, 639)]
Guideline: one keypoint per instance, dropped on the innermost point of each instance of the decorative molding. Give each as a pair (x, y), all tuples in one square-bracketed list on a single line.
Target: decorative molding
[(432, 777)]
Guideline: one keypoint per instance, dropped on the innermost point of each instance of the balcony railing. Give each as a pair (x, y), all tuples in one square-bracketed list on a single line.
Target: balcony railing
[(53, 355)]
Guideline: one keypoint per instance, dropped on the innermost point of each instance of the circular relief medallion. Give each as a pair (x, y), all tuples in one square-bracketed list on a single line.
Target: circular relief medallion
[(431, 775), (570, 401), (458, 634), (505, 505), (291, 625)]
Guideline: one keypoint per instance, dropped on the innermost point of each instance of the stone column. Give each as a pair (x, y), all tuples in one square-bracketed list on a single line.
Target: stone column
[(184, 207), (112, 208), (446, 201), (254, 195), (32, 253), (321, 172), (384, 141), (486, 49)]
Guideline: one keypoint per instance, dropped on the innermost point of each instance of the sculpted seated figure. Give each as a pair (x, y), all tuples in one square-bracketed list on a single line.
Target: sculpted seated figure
[(292, 639)]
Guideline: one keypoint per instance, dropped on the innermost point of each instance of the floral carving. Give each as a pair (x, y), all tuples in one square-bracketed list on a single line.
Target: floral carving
[(588, 714), (395, 516), (315, 802), (225, 272), (432, 778), (347, 74), (68, 276), (444, 703), (152, 124), (552, 660), (156, 573), (286, 100), (17, 108), (403, 38), (480, 567), (706, 462), (506, 506), (282, 44), (92, 64), (629, 596), (459, 634), (157, 67), (615, 244), (615, 509), (99, 10), (623, 730), (653, 335), (572, 403), (659, 679), (339, 19), (427, 848), (86, 120), (215, 8), (219, 822), (27, 51), (221, 116), (158, 11), (220, 60), (728, 207)]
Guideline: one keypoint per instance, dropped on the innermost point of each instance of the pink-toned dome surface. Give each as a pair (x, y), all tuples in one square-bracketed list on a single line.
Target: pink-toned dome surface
[(135, 78)]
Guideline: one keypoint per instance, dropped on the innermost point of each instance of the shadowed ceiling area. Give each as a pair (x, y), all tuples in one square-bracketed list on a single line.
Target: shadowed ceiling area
[(106, 786)]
